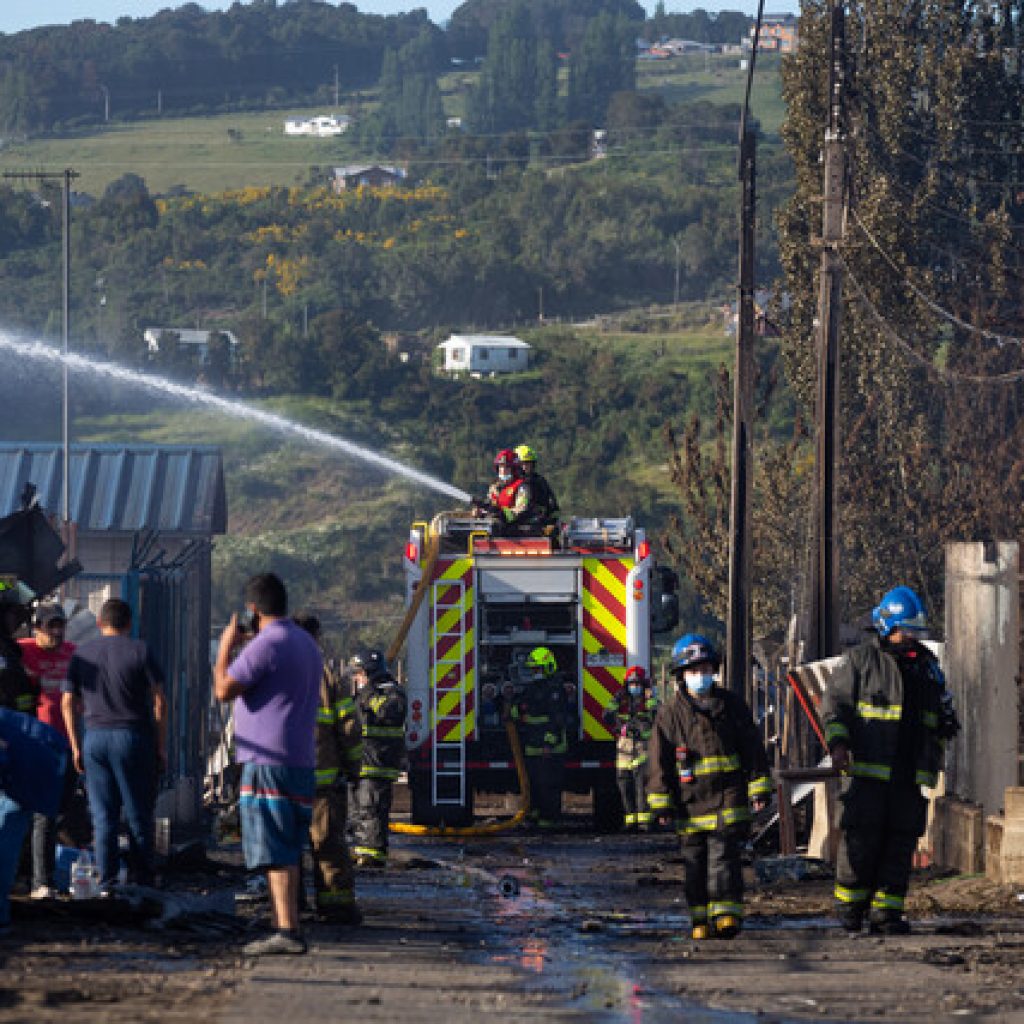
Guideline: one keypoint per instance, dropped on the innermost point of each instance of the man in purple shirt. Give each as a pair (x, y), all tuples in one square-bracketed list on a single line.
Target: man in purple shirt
[(276, 680)]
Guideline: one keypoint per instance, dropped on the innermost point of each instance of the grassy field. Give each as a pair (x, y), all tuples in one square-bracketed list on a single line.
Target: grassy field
[(223, 151), (718, 79)]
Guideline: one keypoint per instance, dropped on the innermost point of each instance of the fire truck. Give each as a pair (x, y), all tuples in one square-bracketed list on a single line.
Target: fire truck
[(477, 604)]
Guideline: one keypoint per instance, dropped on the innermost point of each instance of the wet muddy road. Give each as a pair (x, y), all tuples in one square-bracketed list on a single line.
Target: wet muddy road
[(570, 927)]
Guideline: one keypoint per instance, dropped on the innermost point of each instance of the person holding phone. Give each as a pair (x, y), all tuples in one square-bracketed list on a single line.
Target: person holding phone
[(275, 683)]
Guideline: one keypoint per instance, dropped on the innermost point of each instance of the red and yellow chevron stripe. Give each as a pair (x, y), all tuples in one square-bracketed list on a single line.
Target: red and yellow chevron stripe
[(452, 669), (604, 636)]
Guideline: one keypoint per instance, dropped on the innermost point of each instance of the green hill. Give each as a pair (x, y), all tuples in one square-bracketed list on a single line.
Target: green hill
[(335, 528)]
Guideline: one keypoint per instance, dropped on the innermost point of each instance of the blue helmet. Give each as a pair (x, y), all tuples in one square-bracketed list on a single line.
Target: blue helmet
[(692, 649), (901, 609)]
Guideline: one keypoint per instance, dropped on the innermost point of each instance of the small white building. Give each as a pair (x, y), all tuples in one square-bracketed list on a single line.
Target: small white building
[(322, 126), (480, 354), (197, 342)]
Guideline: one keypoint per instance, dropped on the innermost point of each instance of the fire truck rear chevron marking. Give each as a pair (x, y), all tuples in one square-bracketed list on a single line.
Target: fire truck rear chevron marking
[(452, 672), (604, 633)]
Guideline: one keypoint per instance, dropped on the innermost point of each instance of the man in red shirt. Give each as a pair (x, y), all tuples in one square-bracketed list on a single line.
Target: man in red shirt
[(46, 656)]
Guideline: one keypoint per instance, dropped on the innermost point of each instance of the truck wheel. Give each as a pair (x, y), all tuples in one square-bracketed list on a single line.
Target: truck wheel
[(607, 807), (425, 812)]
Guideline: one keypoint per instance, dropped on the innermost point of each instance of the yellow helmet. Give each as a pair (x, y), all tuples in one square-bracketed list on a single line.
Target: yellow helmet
[(541, 660), (525, 453)]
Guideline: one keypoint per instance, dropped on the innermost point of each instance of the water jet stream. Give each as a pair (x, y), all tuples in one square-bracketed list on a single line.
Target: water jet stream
[(239, 410)]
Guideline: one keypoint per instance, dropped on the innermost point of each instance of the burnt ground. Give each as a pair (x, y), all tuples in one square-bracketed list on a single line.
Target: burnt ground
[(596, 932)]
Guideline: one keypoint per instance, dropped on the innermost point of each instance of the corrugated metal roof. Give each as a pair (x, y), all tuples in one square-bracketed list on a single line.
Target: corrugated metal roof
[(175, 489)]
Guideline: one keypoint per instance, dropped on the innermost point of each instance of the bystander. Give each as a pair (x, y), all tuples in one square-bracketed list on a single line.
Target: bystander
[(120, 689), (276, 680), (47, 656)]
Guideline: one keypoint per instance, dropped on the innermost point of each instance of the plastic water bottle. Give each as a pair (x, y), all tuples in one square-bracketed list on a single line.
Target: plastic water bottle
[(84, 877)]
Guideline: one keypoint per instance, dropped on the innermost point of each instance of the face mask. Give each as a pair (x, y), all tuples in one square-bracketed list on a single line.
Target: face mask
[(504, 474), (635, 691), (698, 682)]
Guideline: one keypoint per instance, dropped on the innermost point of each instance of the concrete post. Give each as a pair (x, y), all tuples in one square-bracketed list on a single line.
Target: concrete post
[(982, 660)]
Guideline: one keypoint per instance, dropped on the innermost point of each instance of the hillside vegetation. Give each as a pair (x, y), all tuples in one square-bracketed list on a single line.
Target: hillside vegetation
[(336, 527)]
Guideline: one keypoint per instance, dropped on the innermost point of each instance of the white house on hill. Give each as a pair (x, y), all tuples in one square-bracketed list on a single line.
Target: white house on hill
[(197, 342), (485, 353), (322, 126)]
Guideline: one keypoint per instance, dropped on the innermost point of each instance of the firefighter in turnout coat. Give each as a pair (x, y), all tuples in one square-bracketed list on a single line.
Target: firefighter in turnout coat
[(541, 714), (631, 719), (887, 713), (382, 706), (339, 752), (707, 762)]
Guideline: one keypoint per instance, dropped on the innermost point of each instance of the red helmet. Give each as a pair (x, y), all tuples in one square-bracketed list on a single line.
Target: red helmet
[(506, 457), (635, 674)]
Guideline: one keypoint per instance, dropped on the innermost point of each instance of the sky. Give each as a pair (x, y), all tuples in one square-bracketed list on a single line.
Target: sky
[(16, 15)]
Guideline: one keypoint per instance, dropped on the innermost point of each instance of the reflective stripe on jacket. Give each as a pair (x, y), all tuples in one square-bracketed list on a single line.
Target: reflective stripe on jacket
[(863, 707), (702, 756), (339, 744), (382, 707), (541, 713)]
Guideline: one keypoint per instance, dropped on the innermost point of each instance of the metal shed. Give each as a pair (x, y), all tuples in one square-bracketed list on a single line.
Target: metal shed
[(143, 518)]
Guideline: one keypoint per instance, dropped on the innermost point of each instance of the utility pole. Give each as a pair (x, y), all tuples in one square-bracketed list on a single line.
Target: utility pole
[(106, 104), (65, 177), (824, 626), (738, 627), (675, 291), (337, 88)]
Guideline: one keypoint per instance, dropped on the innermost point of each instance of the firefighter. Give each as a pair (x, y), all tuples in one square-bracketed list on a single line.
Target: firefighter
[(382, 706), (707, 762), (339, 752), (541, 712), (631, 718), (543, 509), (886, 713), (508, 498)]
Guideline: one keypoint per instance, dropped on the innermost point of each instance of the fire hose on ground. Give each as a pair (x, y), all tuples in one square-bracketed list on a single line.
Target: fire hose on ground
[(492, 827)]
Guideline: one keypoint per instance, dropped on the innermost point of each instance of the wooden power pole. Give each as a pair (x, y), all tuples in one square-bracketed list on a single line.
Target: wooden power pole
[(738, 627), (824, 627)]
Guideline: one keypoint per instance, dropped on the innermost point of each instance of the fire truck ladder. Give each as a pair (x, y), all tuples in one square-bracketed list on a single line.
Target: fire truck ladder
[(448, 757)]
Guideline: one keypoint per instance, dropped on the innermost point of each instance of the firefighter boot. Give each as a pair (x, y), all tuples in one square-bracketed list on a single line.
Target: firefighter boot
[(888, 922), (851, 918), (727, 926)]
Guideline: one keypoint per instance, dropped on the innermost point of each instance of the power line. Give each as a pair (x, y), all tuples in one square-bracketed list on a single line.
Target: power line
[(947, 376), (999, 339)]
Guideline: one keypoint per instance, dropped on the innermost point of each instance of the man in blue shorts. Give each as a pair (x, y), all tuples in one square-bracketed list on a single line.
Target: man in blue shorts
[(276, 680)]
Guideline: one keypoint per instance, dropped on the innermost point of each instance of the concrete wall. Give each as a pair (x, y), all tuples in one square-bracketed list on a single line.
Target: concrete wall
[(982, 663)]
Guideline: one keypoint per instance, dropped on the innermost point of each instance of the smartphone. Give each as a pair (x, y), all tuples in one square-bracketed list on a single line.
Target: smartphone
[(249, 622)]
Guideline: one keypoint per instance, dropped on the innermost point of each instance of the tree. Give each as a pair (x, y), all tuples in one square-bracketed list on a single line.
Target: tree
[(604, 64), (931, 435), (506, 97)]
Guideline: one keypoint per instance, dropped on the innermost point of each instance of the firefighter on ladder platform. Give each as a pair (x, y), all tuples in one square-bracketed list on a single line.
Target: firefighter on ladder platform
[(707, 764), (339, 753), (382, 705), (887, 713), (631, 719), (541, 715), (508, 498), (542, 513)]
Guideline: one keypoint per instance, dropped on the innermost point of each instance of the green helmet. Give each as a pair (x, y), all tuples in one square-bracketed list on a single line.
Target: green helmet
[(525, 453), (542, 661)]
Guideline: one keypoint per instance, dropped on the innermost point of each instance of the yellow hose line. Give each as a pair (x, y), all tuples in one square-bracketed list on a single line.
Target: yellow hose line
[(492, 828)]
